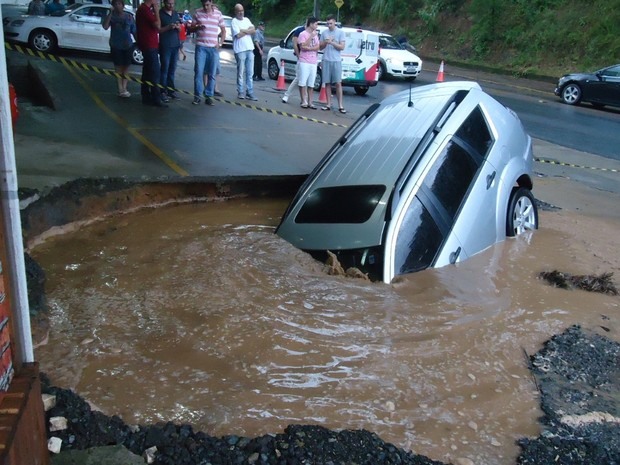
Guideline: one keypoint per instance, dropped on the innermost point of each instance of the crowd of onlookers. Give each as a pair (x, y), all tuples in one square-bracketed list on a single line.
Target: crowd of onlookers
[(160, 33)]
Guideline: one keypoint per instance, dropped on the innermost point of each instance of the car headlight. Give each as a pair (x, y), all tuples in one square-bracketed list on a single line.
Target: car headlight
[(16, 23)]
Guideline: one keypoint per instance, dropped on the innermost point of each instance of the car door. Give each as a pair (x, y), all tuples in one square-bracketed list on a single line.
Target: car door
[(82, 29), (610, 86), (453, 215), (289, 57)]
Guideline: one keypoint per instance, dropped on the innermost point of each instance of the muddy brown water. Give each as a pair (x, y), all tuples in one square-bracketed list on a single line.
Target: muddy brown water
[(200, 314)]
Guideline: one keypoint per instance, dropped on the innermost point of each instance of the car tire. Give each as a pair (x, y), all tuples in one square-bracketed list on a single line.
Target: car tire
[(273, 69), (318, 80), (361, 90), (381, 72), (571, 94), (42, 40), (136, 56), (522, 212)]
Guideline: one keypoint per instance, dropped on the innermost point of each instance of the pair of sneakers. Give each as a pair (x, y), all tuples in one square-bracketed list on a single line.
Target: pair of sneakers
[(251, 97), (208, 101), (124, 94)]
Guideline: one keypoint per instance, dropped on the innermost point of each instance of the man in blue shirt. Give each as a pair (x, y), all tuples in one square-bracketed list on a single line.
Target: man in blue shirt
[(54, 7), (169, 45)]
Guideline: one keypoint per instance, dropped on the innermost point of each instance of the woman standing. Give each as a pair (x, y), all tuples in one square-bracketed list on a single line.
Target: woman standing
[(121, 42)]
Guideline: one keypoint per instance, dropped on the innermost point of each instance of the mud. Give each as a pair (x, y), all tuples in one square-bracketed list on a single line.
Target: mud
[(578, 373)]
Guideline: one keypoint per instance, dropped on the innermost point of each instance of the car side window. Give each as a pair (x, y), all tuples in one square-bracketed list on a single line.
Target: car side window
[(456, 167), (418, 240), (450, 177), (289, 41), (475, 132), (612, 74)]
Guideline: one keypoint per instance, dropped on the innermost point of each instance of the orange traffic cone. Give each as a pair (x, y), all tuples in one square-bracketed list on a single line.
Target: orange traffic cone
[(281, 85), (440, 73), (322, 94)]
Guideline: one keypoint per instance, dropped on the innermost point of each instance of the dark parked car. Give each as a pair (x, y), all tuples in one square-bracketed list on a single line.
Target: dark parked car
[(426, 178), (600, 88)]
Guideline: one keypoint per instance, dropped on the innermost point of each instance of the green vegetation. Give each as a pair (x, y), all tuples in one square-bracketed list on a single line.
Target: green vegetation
[(525, 37)]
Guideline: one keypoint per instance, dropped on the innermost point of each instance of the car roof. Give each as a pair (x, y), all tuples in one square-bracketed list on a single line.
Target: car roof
[(394, 138)]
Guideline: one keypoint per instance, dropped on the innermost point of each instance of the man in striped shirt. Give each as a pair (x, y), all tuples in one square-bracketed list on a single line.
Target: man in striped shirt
[(208, 24)]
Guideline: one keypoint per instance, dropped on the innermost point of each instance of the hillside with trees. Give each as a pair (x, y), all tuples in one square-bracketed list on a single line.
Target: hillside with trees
[(525, 37)]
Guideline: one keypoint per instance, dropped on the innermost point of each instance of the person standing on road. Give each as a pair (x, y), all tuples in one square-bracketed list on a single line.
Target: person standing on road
[(169, 46), (122, 27), (208, 24), (309, 46), (293, 84), (54, 7), (259, 47), (148, 24), (36, 8), (242, 30), (332, 43)]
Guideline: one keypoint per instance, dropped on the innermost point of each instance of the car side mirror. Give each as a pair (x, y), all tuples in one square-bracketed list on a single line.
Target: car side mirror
[(282, 43)]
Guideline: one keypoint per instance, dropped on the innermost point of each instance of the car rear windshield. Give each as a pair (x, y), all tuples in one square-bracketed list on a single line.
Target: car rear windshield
[(341, 204)]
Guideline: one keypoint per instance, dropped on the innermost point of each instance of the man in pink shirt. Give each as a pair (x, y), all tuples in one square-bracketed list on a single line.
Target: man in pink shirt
[(208, 24), (309, 45)]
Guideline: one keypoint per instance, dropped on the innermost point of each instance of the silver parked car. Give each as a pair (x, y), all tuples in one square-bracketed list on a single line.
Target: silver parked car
[(426, 178)]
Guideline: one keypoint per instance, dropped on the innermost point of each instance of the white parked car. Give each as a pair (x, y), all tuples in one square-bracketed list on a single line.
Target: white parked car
[(396, 61), (78, 27), (229, 38), (426, 178), (359, 59)]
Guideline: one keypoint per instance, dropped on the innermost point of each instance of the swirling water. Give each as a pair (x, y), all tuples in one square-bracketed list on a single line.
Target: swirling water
[(199, 313)]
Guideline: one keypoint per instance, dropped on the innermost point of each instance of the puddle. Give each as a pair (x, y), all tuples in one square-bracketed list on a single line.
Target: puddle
[(200, 314)]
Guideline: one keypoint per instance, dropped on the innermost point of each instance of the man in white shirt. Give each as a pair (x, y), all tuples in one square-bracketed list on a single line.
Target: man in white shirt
[(242, 30)]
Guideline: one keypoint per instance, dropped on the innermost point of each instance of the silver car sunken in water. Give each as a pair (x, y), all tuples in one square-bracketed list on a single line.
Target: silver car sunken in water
[(426, 178)]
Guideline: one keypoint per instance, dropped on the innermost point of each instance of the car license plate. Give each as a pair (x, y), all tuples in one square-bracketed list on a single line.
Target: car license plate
[(410, 69)]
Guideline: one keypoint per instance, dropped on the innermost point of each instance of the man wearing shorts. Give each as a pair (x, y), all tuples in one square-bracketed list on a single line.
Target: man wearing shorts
[(332, 43), (309, 45)]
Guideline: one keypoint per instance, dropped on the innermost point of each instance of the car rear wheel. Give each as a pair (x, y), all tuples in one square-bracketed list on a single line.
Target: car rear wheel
[(136, 56), (273, 69), (382, 71), (522, 213), (318, 81), (42, 40), (571, 94), (361, 90)]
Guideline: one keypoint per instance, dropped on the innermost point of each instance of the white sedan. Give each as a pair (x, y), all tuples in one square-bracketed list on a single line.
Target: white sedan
[(396, 61), (78, 27)]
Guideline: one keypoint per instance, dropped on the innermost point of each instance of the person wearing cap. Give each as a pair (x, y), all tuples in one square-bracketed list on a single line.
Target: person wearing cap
[(259, 47)]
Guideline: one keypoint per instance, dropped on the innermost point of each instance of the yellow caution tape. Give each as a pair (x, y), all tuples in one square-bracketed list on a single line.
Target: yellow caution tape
[(111, 73)]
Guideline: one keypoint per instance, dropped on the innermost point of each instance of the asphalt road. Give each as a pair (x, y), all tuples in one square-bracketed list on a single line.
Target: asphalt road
[(92, 133)]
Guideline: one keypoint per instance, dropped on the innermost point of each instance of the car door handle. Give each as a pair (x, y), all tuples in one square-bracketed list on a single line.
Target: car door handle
[(490, 178), (454, 256)]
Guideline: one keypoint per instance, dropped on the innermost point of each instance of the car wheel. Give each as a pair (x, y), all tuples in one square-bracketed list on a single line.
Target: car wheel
[(361, 90), (571, 94), (318, 80), (382, 72), (42, 40), (522, 213), (273, 69), (136, 56)]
